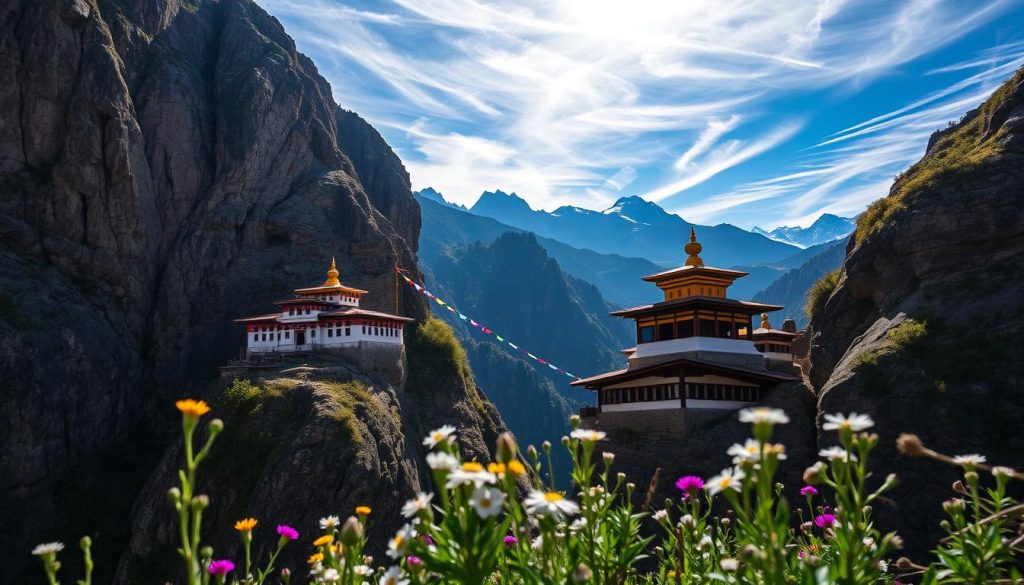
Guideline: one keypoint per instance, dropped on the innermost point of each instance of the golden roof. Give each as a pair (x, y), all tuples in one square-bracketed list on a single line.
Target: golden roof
[(693, 249), (332, 275)]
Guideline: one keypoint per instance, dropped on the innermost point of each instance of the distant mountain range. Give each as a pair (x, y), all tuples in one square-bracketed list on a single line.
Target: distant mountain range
[(633, 227), (445, 225), (790, 289), (826, 228)]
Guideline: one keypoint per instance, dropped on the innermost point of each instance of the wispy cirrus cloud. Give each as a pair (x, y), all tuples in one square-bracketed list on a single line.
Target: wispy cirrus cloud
[(555, 100), (859, 162)]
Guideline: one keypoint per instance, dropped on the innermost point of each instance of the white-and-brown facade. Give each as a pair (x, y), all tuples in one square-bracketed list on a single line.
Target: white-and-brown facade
[(321, 317), (696, 349)]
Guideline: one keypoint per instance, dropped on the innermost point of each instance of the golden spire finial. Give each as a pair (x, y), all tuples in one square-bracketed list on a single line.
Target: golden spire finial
[(764, 321), (332, 275), (693, 249)]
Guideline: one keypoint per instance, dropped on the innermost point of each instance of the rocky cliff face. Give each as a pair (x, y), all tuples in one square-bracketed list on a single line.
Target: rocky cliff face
[(923, 329), (166, 166), (305, 441)]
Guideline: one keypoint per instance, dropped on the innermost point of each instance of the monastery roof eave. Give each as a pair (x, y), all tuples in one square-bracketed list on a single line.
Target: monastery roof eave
[(616, 376), (745, 306), (259, 318), (328, 289), (774, 333), (355, 312), (711, 270)]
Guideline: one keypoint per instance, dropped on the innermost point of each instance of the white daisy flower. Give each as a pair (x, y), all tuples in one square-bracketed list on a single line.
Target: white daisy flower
[(331, 576), (729, 479), (48, 548), (1000, 471), (362, 570), (729, 565), (660, 515), (487, 501), (399, 543), (969, 460), (855, 422), (837, 454), (587, 435), (551, 504), (438, 436), (748, 451), (416, 505), (393, 576), (441, 461), (470, 473), (330, 522), (763, 414)]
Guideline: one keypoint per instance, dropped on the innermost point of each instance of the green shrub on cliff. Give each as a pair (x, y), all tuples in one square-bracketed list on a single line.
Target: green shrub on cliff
[(479, 528), (961, 150), (820, 291), (435, 340)]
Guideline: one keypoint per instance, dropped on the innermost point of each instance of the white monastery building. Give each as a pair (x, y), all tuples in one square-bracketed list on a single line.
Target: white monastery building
[(321, 317), (696, 349)]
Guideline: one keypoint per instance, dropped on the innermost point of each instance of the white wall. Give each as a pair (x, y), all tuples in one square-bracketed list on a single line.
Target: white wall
[(670, 346), (634, 406), (715, 404)]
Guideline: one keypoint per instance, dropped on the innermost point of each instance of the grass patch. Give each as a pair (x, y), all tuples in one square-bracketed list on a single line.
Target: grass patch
[(820, 291), (435, 340), (435, 357), (343, 399), (898, 339), (961, 151)]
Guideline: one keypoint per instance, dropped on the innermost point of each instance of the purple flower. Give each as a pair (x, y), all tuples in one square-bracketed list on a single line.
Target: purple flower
[(824, 520), (287, 532), (690, 484), (808, 490), (412, 560), (222, 567), (427, 540), (511, 541)]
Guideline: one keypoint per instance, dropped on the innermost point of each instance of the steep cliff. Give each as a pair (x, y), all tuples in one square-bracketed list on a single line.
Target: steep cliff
[(922, 330), (314, 437), (166, 166)]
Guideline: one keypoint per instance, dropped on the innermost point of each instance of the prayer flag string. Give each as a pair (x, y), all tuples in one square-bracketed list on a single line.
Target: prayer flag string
[(483, 329)]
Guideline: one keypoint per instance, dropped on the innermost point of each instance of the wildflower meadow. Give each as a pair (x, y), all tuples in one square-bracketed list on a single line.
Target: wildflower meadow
[(499, 522)]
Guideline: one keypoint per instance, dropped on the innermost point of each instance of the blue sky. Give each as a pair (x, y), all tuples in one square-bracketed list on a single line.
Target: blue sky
[(742, 111)]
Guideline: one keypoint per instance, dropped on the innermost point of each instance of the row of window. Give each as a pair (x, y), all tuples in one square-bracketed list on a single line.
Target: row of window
[(263, 336), (694, 391), (292, 311), (687, 328), (773, 347), (333, 330)]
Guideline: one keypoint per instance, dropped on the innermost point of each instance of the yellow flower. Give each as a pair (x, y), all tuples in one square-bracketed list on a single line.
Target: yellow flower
[(671, 575), (363, 510), (516, 468), (472, 466), (193, 407), (325, 539), (496, 467), (316, 558), (245, 524)]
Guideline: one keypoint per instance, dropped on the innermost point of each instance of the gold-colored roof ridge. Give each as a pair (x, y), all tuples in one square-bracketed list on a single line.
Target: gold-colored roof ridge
[(693, 250)]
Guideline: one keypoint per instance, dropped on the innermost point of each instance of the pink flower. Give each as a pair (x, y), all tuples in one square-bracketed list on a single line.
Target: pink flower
[(427, 540), (808, 490), (412, 560), (690, 484), (287, 532), (824, 520), (511, 541), (222, 567)]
